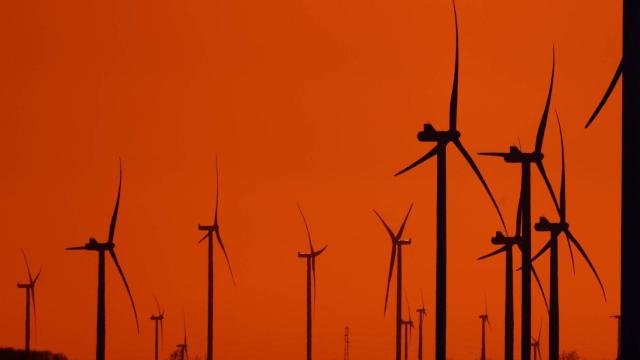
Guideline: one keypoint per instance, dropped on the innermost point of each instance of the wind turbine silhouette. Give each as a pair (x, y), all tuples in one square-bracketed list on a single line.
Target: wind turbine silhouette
[(210, 230), (184, 350), (422, 312), (101, 248), (408, 326), (617, 317), (311, 271), (30, 290), (158, 318), (555, 229), (485, 319), (535, 344), (516, 156), (442, 139), (507, 243), (396, 250)]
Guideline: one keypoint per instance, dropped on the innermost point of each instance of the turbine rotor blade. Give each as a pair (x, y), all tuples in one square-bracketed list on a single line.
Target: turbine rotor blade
[(404, 222), (114, 217), (543, 173), (424, 158), (586, 258), (493, 253), (563, 202), (544, 296), (215, 214), (306, 225), (453, 103), (126, 285), (224, 251), (389, 231), (573, 263), (24, 256), (76, 248), (546, 247), (157, 303), (205, 236), (496, 154), (473, 166), (606, 95), (545, 113)]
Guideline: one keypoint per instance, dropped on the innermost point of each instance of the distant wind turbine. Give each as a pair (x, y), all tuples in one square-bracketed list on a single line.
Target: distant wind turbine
[(30, 290), (422, 313), (183, 347), (396, 250), (158, 318), (535, 344), (408, 326), (210, 230), (101, 248), (485, 320), (555, 230), (311, 271), (442, 139)]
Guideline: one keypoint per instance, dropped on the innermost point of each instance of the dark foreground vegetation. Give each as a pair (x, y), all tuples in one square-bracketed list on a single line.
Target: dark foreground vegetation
[(15, 354)]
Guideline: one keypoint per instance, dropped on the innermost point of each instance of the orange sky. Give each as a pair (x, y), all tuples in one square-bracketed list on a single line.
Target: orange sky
[(310, 101)]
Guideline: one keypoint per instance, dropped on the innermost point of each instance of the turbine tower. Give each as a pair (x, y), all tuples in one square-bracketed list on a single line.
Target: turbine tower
[(158, 318), (617, 317), (441, 140), (210, 230), (422, 313), (555, 230), (485, 320), (101, 248), (525, 160), (311, 271), (396, 250), (346, 343), (30, 290)]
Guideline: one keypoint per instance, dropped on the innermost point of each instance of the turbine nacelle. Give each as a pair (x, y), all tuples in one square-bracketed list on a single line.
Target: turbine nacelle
[(311, 255), (25, 286), (430, 134), (501, 239), (545, 225), (208, 228), (94, 245)]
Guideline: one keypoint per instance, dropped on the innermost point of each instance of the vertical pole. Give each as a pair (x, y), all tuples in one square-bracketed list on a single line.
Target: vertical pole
[(525, 341), (309, 307), (210, 299), (406, 341), (508, 313), (420, 337), (482, 349), (554, 302), (156, 344), (441, 256), (101, 333), (27, 324), (630, 298), (399, 304)]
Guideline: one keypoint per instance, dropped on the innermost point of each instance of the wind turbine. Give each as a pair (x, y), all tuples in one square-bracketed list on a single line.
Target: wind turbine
[(617, 317), (311, 271), (555, 229), (408, 326), (158, 318), (535, 343), (422, 312), (210, 230), (101, 248), (485, 319), (442, 139), (184, 350), (396, 249), (30, 290), (525, 159), (508, 242)]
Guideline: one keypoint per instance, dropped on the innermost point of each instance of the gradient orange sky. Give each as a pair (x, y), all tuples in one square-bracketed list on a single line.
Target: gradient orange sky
[(316, 102)]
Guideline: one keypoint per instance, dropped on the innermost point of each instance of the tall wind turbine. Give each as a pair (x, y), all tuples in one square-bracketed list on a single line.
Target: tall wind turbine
[(30, 290), (442, 139), (535, 344), (396, 250), (158, 318), (184, 349), (555, 229), (617, 317), (346, 343), (507, 243), (101, 248), (408, 326), (210, 230), (524, 159), (422, 313), (311, 272), (485, 320)]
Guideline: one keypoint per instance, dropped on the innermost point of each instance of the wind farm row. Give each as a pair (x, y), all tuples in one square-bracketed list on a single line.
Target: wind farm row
[(503, 243)]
